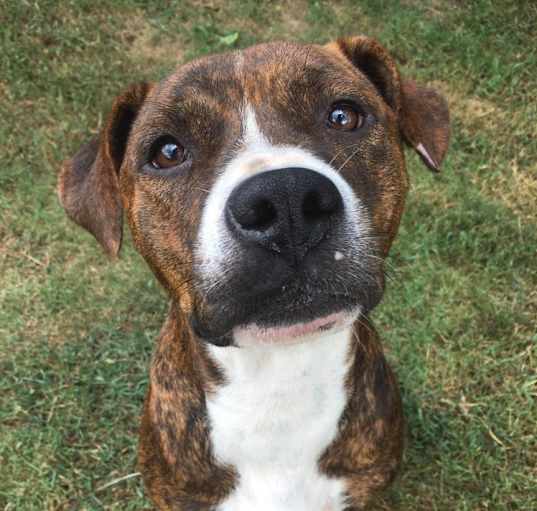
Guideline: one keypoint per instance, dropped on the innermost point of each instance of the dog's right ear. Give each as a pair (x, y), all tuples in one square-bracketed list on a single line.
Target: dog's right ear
[(88, 185)]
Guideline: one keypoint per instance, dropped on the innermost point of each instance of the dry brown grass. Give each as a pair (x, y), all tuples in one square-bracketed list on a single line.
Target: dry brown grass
[(149, 46)]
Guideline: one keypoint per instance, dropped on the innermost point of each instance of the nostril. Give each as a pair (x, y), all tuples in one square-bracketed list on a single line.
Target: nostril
[(311, 207), (258, 215), (317, 205)]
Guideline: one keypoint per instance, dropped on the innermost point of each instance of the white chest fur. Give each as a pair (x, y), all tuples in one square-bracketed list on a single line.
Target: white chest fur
[(273, 419)]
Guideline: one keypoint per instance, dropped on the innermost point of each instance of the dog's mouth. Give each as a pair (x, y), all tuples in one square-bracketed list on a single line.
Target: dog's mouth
[(300, 313), (254, 333)]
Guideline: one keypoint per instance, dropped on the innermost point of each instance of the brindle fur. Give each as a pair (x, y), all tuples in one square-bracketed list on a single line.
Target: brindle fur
[(199, 102)]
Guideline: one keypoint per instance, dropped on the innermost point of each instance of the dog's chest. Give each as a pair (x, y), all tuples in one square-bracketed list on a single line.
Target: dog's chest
[(273, 419)]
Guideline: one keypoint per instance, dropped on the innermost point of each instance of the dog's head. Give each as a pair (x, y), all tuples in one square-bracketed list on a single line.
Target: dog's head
[(263, 187)]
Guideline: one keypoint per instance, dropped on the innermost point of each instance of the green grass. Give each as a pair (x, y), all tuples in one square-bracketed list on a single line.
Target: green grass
[(459, 319)]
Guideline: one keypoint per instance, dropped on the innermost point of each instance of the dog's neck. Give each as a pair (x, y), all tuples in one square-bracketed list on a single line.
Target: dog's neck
[(274, 416), (286, 362)]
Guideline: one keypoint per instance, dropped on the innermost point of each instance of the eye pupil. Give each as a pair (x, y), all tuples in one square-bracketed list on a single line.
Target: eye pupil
[(167, 153), (340, 117), (345, 117)]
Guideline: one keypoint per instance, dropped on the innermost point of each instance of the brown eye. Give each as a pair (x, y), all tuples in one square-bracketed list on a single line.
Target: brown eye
[(168, 153), (345, 117)]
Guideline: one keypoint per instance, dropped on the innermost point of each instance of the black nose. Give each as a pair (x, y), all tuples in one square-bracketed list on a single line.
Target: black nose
[(287, 211)]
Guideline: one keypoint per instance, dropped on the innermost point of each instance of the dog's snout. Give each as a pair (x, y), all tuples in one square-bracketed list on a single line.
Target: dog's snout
[(287, 211)]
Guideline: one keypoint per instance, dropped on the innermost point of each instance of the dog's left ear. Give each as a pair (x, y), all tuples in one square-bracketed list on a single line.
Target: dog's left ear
[(422, 113), (88, 185)]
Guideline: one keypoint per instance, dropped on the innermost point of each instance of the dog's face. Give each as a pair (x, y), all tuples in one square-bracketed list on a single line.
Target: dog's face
[(263, 187)]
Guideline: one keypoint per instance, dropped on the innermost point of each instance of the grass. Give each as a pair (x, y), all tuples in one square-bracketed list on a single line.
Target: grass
[(459, 319)]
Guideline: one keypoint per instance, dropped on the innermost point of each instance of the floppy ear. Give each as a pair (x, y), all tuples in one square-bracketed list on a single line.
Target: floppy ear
[(88, 185), (422, 113), (424, 122)]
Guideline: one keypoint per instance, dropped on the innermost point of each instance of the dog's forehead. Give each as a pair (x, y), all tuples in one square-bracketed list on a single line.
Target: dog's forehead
[(268, 73)]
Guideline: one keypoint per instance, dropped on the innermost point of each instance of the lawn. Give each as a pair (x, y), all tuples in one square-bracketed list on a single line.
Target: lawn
[(459, 319)]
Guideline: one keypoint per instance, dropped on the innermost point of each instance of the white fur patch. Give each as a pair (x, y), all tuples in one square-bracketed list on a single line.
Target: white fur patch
[(215, 247), (421, 149), (275, 417), (252, 135)]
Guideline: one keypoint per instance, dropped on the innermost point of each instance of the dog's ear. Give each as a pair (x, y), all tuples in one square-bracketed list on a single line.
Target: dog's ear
[(88, 185), (422, 113), (424, 122)]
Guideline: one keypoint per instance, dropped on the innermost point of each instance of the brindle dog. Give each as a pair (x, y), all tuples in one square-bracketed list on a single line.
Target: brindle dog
[(264, 189)]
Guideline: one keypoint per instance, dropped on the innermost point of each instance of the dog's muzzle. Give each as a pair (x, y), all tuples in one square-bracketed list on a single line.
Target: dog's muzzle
[(292, 255)]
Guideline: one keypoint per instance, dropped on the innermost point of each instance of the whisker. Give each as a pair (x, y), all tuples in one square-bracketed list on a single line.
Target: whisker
[(348, 159)]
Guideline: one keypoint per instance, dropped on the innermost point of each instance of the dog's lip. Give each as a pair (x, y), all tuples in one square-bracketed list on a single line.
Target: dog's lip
[(290, 334)]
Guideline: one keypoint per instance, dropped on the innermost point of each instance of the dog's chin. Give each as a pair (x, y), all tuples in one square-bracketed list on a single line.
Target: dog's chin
[(278, 322), (253, 334), (281, 318)]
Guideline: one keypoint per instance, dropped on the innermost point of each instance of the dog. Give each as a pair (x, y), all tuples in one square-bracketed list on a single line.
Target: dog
[(264, 188)]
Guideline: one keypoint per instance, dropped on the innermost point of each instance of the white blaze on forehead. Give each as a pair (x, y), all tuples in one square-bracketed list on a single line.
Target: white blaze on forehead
[(251, 134), (239, 63)]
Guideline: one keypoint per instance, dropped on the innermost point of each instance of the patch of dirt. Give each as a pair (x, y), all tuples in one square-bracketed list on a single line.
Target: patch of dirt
[(287, 21), (352, 21), (146, 46), (468, 109), (516, 185), (293, 17)]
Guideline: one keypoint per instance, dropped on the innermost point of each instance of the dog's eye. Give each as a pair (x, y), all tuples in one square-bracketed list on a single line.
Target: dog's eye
[(167, 153), (344, 117)]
